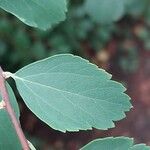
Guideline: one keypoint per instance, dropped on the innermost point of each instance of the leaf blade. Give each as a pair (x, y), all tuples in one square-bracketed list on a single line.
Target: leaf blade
[(7, 132), (123, 143), (73, 91), (105, 11), (41, 14)]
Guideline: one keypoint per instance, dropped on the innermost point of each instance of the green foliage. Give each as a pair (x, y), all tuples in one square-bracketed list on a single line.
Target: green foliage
[(105, 11), (69, 36), (42, 14), (137, 7), (65, 91), (8, 137), (69, 93), (110, 143)]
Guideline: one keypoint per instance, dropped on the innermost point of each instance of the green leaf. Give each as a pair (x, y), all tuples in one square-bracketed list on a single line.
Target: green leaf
[(69, 93), (136, 8), (31, 146), (110, 143), (8, 138), (37, 13), (105, 11)]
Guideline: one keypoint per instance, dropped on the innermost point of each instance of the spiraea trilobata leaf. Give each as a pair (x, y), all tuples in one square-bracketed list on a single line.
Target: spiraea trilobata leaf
[(37, 13), (8, 137), (111, 143), (70, 94)]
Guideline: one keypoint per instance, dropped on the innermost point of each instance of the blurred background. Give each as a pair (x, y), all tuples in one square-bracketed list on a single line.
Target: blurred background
[(122, 48)]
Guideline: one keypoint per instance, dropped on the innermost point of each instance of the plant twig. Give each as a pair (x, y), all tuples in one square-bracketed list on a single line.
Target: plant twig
[(9, 109)]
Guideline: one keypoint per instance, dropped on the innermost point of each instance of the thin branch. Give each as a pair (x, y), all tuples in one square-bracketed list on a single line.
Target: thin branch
[(9, 109)]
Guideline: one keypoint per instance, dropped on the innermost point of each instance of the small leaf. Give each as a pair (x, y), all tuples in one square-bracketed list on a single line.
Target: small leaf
[(31, 146), (110, 143), (69, 93), (105, 11), (8, 137), (42, 14)]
